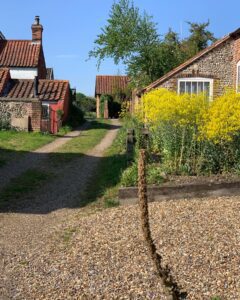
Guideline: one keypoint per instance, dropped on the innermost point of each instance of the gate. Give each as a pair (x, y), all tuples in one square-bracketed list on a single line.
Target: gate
[(46, 118)]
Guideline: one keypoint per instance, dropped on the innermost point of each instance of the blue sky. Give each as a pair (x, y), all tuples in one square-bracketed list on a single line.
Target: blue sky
[(71, 26)]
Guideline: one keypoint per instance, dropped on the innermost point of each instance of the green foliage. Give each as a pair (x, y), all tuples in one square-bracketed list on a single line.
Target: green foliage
[(199, 38), (191, 135), (76, 115), (4, 123), (130, 175), (85, 103), (60, 113), (131, 37)]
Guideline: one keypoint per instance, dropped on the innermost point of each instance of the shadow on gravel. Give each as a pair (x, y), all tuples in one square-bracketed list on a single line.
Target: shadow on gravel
[(54, 180)]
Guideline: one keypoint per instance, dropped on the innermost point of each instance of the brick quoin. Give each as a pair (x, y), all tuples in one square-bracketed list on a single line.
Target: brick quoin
[(35, 117)]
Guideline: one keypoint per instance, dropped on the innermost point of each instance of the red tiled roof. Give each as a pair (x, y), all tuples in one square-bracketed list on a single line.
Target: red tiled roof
[(49, 90), (108, 84), (19, 53), (4, 77), (192, 60)]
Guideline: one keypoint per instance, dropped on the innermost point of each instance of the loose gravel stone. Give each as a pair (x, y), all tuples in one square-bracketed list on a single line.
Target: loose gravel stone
[(106, 257)]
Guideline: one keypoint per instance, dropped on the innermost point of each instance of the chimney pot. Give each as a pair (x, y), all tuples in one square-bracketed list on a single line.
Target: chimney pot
[(37, 20), (37, 30)]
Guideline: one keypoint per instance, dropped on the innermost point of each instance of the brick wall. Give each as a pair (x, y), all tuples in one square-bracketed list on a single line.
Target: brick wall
[(22, 114), (35, 116), (42, 71)]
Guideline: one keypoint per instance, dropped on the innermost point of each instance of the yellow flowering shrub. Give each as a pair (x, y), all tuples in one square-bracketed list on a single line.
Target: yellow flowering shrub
[(162, 105), (222, 120), (191, 132)]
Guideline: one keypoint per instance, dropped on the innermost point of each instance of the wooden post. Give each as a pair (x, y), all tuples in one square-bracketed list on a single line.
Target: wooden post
[(106, 109), (98, 106), (170, 288)]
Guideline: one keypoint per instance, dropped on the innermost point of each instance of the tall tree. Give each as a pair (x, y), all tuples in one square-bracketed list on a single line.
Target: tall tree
[(131, 37), (199, 39)]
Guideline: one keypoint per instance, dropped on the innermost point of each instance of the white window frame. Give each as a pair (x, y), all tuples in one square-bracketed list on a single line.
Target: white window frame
[(237, 79), (46, 104), (197, 79)]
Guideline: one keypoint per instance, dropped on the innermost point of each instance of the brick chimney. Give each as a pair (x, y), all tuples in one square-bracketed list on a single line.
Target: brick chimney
[(37, 30)]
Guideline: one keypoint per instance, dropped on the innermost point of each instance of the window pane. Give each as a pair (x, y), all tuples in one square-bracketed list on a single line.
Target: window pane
[(207, 88), (188, 87), (45, 114), (194, 87), (200, 87), (182, 87)]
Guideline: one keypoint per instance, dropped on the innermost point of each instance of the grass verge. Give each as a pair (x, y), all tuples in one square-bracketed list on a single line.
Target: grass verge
[(22, 186), (107, 177), (15, 143), (78, 146)]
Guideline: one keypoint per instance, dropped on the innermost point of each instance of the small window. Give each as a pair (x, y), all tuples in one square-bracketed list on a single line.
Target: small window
[(238, 77), (196, 86), (45, 112)]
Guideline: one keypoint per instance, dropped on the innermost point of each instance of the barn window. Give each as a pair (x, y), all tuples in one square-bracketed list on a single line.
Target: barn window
[(45, 111), (238, 77), (196, 86)]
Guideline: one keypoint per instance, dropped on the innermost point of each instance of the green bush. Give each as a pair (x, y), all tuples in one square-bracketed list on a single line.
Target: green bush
[(5, 123), (130, 175), (85, 103)]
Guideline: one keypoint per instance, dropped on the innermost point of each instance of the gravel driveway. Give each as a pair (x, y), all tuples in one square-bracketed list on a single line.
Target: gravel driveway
[(103, 256), (35, 158), (50, 250), (30, 226)]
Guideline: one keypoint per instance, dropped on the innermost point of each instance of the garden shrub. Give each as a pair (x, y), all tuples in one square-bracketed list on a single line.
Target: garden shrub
[(191, 134)]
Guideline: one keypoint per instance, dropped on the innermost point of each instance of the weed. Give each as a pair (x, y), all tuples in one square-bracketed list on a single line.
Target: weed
[(67, 234)]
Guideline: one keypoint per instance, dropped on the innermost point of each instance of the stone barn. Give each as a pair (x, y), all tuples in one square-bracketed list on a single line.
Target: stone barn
[(212, 70)]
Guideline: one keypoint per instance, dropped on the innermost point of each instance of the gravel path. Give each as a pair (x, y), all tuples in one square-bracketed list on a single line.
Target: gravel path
[(103, 256), (50, 250), (34, 158), (30, 226)]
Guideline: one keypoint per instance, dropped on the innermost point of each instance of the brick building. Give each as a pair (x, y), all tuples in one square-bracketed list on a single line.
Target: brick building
[(108, 85), (29, 97), (211, 70)]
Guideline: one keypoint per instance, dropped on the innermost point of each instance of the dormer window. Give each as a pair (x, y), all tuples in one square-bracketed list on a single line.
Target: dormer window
[(196, 86), (238, 78)]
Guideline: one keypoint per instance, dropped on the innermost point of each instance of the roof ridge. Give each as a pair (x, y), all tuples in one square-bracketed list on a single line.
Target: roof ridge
[(190, 60), (112, 76)]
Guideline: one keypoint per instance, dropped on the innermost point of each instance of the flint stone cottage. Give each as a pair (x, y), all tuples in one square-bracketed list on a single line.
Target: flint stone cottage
[(108, 85), (211, 70), (30, 98)]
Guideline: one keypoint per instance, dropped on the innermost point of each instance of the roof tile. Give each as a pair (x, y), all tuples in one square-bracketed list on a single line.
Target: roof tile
[(19, 53), (49, 90), (109, 84)]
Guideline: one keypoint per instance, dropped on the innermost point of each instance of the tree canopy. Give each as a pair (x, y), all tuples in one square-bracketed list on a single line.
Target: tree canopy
[(132, 37)]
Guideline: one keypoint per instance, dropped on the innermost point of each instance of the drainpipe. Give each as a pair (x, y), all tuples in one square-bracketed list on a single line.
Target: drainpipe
[(35, 86)]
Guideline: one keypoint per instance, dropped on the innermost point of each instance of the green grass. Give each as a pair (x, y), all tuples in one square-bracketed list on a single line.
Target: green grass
[(81, 144), (67, 234), (106, 180), (21, 186), (14, 143), (23, 141)]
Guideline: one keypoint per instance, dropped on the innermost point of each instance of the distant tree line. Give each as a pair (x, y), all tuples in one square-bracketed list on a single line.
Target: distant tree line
[(132, 37)]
